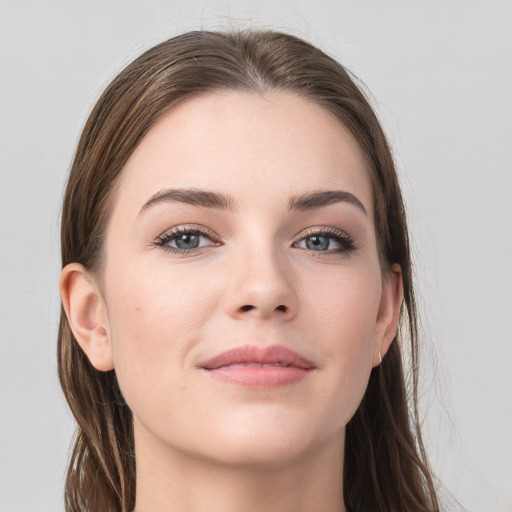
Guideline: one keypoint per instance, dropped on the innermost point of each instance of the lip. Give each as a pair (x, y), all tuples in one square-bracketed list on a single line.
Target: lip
[(258, 367)]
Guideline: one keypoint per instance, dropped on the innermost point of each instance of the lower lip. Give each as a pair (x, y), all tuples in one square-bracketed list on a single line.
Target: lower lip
[(259, 377)]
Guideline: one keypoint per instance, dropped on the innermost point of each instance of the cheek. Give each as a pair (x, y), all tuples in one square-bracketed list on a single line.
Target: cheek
[(155, 317), (344, 308), (342, 316)]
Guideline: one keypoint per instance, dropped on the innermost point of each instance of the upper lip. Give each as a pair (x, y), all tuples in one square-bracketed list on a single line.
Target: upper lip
[(252, 354)]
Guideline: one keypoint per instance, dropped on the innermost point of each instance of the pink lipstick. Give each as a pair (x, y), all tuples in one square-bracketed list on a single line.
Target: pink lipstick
[(258, 367)]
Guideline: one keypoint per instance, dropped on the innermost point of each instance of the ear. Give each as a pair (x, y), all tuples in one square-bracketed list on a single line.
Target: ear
[(87, 315), (389, 312)]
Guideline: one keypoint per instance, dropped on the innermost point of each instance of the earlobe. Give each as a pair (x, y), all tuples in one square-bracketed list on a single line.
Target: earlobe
[(389, 313), (85, 310)]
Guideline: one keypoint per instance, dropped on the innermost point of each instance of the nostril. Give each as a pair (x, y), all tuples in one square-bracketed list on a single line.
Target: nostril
[(248, 307)]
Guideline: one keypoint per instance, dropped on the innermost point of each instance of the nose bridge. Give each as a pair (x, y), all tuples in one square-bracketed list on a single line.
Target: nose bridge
[(262, 283)]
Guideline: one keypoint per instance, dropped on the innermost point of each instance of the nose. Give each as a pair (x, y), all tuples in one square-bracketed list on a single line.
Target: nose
[(261, 285)]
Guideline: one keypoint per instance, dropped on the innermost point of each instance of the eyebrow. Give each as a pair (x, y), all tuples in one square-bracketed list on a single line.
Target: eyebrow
[(192, 196), (209, 199), (311, 200)]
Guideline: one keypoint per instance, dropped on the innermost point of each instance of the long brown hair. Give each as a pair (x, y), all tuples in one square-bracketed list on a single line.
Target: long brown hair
[(385, 462)]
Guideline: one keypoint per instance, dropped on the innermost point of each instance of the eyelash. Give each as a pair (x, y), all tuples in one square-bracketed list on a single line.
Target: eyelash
[(346, 242), (164, 239)]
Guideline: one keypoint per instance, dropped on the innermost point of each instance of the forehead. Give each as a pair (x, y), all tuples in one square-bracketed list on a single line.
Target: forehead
[(248, 145)]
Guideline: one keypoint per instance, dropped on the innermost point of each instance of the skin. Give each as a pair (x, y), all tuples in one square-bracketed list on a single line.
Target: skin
[(155, 315)]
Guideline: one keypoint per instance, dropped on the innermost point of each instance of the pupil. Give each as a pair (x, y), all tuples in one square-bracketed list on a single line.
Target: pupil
[(317, 243), (187, 241)]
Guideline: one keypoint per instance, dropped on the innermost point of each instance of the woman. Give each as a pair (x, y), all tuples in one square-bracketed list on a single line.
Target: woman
[(235, 269)]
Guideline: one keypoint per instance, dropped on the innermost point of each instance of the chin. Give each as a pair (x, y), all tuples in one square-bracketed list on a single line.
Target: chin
[(255, 456), (265, 444)]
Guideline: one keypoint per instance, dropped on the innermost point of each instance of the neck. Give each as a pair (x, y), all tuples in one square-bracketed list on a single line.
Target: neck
[(170, 480)]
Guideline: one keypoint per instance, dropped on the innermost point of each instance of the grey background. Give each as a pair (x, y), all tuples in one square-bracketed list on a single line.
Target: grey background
[(441, 74)]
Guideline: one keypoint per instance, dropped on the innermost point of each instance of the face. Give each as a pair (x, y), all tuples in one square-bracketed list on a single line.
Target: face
[(241, 283)]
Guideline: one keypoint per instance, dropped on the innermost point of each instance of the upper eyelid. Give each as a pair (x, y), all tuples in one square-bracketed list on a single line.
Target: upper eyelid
[(327, 230), (184, 228)]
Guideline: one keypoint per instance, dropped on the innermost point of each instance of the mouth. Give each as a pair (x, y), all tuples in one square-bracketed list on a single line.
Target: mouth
[(258, 367)]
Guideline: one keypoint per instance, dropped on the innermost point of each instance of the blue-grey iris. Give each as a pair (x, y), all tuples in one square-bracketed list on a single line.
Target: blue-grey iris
[(317, 243), (187, 241)]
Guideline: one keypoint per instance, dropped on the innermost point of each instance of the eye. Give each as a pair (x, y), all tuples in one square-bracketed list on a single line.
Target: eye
[(327, 240), (185, 239)]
